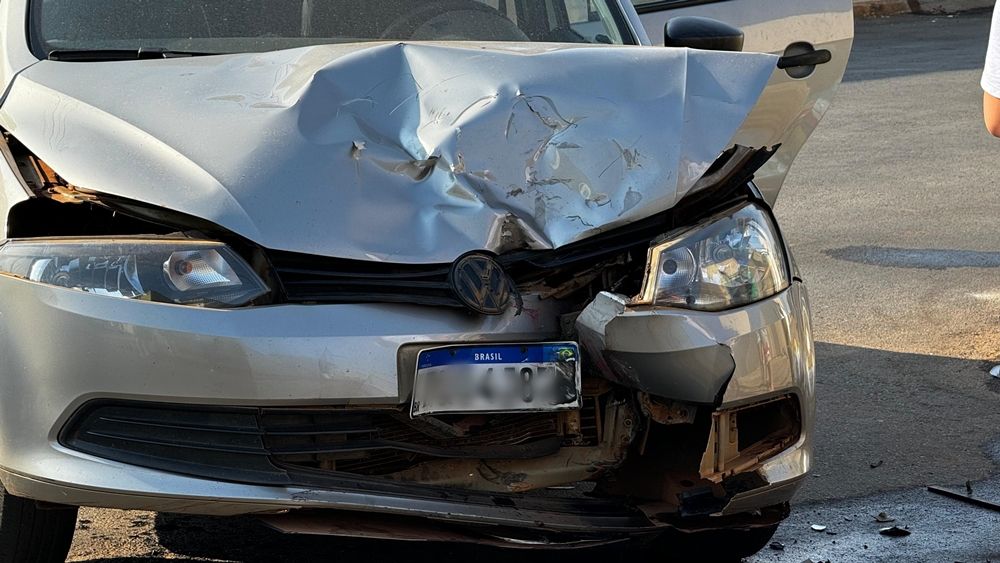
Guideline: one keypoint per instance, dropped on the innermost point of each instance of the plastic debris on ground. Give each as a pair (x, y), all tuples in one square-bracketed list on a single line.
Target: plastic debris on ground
[(884, 518), (894, 532)]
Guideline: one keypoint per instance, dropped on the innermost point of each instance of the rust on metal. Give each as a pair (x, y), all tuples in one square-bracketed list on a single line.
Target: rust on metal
[(666, 411)]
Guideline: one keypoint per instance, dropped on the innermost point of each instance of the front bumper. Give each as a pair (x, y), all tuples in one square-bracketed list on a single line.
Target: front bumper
[(60, 349)]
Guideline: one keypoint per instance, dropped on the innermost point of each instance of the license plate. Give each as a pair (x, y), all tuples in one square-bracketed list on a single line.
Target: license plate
[(497, 379)]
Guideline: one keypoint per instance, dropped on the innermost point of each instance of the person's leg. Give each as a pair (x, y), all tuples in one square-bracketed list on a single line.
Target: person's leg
[(991, 113)]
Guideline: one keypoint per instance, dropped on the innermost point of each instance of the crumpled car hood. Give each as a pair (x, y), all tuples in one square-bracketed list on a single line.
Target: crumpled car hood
[(398, 152)]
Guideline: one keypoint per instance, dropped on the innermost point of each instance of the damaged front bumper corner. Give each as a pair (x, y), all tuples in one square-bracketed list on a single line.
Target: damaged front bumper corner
[(749, 372)]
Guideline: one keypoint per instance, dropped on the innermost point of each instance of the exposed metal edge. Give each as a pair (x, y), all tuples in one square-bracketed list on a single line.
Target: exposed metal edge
[(381, 527)]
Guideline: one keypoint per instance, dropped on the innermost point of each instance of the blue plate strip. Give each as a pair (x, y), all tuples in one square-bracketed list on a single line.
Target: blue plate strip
[(499, 354)]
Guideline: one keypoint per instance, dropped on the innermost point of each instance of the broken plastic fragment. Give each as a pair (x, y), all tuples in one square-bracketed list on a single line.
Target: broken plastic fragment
[(894, 532), (995, 372), (818, 528), (884, 518)]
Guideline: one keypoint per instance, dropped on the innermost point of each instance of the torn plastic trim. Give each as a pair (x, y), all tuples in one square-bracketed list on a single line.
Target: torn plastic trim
[(733, 170), (402, 528), (617, 426), (696, 371), (745, 520), (742, 438)]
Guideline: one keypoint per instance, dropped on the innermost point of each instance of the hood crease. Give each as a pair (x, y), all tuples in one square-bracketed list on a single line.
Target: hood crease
[(405, 152)]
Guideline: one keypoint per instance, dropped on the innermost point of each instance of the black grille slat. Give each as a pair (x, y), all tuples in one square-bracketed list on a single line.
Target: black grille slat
[(325, 296), (178, 444), (485, 452), (308, 278), (318, 432), (179, 426), (256, 443), (373, 285), (348, 274)]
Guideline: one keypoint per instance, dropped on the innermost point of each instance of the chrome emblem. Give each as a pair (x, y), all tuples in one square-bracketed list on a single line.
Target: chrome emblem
[(480, 284)]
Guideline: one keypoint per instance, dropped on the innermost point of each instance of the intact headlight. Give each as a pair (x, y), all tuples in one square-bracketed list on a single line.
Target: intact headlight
[(180, 271), (728, 261)]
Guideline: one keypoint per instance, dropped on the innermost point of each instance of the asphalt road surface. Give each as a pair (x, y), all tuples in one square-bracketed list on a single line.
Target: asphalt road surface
[(893, 211)]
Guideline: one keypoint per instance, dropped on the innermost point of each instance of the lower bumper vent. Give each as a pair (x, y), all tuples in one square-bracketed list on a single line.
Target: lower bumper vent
[(265, 445)]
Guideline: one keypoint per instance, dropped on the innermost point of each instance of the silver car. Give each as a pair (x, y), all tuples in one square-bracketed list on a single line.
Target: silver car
[(484, 271)]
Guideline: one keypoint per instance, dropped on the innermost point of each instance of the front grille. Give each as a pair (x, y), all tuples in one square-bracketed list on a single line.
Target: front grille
[(306, 278), (265, 445)]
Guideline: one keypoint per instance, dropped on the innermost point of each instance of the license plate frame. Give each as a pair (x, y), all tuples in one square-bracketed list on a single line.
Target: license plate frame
[(553, 382)]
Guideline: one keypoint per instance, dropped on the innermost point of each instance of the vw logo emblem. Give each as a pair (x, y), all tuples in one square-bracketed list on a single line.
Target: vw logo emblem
[(480, 284)]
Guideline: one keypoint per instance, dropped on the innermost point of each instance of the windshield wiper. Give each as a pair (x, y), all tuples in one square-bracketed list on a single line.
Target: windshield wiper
[(94, 55)]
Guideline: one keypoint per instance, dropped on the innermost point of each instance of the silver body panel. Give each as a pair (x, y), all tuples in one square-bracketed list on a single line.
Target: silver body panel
[(109, 348), (396, 152), (771, 27)]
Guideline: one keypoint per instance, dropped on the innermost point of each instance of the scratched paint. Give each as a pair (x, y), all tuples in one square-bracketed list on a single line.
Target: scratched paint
[(399, 152)]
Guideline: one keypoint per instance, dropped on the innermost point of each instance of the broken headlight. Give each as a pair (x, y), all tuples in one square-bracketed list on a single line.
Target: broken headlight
[(179, 271), (728, 261)]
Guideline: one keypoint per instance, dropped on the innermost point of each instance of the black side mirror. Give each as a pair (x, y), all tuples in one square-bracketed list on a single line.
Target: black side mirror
[(702, 33)]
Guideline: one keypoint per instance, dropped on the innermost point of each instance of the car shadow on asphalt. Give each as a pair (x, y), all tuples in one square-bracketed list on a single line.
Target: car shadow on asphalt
[(888, 420)]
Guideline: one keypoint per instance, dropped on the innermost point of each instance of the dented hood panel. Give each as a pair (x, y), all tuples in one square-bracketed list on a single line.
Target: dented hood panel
[(396, 152)]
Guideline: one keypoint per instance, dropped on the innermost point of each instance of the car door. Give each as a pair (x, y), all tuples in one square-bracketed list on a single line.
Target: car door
[(796, 98)]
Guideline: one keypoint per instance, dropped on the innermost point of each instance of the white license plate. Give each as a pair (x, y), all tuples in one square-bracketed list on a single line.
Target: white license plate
[(497, 378)]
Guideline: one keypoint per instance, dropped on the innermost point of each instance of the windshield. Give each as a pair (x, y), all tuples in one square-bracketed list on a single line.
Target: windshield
[(229, 26)]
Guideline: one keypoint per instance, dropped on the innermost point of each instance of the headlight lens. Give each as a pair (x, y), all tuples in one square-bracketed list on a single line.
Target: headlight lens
[(731, 260), (180, 271)]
